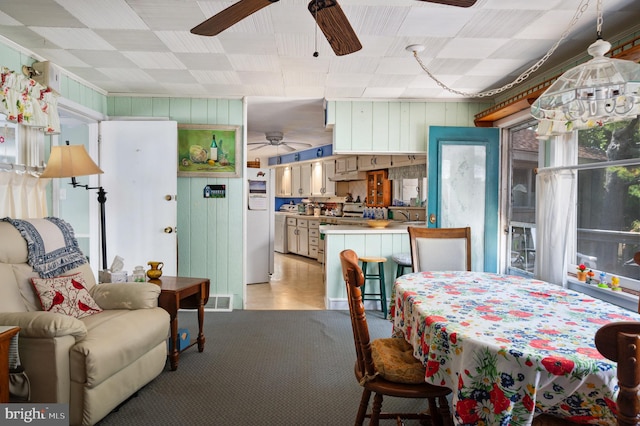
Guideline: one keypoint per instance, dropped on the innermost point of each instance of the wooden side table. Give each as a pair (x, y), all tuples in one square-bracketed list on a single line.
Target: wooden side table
[(183, 293), (6, 334)]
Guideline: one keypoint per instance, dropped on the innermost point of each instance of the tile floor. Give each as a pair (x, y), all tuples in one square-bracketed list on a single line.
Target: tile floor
[(296, 284)]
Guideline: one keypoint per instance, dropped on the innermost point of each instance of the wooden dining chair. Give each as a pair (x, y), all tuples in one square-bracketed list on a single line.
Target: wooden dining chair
[(620, 342), (440, 249), (387, 367)]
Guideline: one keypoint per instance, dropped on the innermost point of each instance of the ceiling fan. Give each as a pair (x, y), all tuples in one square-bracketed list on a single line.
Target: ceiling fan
[(327, 13), (275, 139)]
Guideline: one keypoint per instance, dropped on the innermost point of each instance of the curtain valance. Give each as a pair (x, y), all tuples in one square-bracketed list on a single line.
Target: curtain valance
[(25, 101), (417, 171)]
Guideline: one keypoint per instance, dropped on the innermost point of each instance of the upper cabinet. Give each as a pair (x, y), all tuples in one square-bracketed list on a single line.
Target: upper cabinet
[(347, 164), (393, 126), (373, 162), (301, 180), (409, 160), (321, 174), (283, 181)]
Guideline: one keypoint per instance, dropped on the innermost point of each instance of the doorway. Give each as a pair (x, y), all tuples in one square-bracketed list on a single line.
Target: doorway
[(296, 284)]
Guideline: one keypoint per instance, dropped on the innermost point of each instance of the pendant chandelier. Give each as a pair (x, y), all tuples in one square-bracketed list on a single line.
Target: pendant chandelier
[(600, 91)]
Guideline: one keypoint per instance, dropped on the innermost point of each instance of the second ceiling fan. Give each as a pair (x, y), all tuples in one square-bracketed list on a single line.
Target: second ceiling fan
[(327, 13)]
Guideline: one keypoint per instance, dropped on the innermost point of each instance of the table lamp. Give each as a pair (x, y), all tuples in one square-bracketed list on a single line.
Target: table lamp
[(71, 161)]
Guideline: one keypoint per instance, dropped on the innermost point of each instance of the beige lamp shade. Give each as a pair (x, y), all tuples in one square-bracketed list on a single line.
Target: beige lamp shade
[(70, 161)]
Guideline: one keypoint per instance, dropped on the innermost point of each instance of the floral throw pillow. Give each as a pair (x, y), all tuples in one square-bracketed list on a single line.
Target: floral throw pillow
[(65, 295)]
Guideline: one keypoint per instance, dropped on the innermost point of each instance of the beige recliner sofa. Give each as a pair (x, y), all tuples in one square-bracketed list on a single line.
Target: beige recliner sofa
[(93, 363)]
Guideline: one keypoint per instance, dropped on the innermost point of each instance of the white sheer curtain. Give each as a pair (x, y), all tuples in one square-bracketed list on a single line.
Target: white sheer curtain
[(22, 193), (555, 208)]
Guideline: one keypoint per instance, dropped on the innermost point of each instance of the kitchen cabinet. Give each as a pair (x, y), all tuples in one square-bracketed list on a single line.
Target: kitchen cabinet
[(378, 189), (298, 236), (301, 180), (347, 164), (314, 238), (374, 162), (409, 160), (321, 174), (283, 181)]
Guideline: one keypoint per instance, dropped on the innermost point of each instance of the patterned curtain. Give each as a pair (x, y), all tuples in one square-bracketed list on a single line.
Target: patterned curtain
[(417, 171)]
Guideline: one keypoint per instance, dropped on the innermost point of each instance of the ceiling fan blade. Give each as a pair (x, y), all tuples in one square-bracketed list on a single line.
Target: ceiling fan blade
[(458, 3), (336, 27), (262, 145), (230, 16), (287, 147)]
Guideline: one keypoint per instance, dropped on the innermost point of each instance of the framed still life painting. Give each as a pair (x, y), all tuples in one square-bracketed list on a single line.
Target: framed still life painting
[(206, 150)]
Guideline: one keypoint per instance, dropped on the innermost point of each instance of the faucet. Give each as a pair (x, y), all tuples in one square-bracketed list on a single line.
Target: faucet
[(405, 214)]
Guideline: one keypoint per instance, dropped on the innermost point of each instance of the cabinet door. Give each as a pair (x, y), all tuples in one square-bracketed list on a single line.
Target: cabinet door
[(283, 182), (303, 241), (329, 169), (296, 187), (305, 180), (317, 178), (292, 239), (402, 160), (352, 164), (382, 161), (341, 165), (365, 162)]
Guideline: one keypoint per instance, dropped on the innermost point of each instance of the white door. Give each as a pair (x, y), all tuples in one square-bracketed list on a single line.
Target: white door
[(139, 160)]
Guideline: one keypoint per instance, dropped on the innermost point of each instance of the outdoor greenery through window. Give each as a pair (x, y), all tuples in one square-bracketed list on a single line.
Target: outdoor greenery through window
[(608, 201)]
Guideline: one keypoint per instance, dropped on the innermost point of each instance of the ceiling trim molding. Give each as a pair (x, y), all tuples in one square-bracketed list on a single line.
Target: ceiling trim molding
[(628, 51)]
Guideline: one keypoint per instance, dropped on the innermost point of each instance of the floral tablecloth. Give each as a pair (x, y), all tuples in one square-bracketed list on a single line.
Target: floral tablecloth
[(509, 347)]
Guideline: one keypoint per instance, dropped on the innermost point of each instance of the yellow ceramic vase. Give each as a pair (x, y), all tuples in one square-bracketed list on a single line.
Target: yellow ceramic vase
[(155, 271)]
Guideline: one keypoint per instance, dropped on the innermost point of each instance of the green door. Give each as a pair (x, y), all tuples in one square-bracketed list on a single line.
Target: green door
[(463, 167)]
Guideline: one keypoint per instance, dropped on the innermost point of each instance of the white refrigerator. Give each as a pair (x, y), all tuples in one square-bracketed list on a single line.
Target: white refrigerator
[(260, 208)]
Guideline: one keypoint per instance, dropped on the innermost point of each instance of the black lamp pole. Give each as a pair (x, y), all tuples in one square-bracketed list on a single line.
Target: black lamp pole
[(102, 199)]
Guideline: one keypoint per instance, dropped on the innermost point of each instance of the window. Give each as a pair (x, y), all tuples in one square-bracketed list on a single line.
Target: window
[(608, 201)]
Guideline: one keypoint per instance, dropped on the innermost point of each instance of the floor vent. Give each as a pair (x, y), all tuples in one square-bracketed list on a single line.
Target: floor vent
[(219, 303)]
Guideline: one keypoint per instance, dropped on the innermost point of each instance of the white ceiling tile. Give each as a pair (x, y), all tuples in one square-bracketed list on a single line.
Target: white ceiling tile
[(511, 22), (406, 65), (127, 75), (184, 89), (304, 79), (74, 38), (107, 59), (304, 92), (198, 61), (142, 40), (112, 14), (263, 63), (184, 41), (424, 22), (471, 47), (162, 15), (352, 64), (155, 60), (216, 77), (168, 76), (256, 78), (223, 90), (306, 64), (8, 20), (548, 26), (24, 37), (383, 92), (265, 90), (347, 80), (379, 21), (40, 13), (248, 44), (344, 92), (391, 80), (62, 58)]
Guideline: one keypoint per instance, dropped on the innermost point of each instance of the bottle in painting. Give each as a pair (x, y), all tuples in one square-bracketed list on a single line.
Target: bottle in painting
[(213, 149)]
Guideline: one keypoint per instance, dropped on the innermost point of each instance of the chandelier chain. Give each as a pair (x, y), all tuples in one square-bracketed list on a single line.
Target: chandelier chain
[(584, 5), (599, 20)]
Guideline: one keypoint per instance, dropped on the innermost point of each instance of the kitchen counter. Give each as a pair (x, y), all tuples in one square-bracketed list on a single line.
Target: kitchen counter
[(365, 241)]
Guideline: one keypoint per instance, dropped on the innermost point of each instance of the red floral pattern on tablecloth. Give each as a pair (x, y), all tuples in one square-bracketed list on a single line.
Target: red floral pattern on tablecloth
[(510, 347)]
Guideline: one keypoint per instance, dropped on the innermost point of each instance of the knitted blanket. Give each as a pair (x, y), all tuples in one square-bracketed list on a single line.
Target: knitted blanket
[(51, 245)]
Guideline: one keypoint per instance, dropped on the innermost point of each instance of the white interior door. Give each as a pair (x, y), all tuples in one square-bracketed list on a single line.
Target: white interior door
[(139, 162)]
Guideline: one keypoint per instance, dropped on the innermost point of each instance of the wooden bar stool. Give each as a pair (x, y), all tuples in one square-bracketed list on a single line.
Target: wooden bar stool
[(404, 261), (382, 295)]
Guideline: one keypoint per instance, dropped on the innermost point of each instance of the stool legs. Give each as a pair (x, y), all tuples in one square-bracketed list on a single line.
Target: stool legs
[(381, 280)]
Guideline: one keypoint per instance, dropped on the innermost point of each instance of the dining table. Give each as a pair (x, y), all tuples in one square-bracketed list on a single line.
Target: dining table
[(509, 347)]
